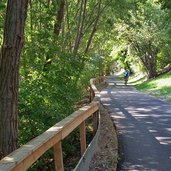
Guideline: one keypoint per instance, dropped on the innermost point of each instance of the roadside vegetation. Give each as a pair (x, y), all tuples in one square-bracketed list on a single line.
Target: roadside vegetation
[(159, 87)]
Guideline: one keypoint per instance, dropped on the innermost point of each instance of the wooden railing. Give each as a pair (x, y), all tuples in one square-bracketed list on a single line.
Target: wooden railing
[(94, 93), (22, 158)]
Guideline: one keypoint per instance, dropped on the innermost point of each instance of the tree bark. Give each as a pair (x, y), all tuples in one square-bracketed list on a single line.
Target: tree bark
[(165, 70), (68, 25), (48, 2), (151, 65), (9, 73), (59, 18), (100, 11), (80, 26), (148, 59), (94, 28)]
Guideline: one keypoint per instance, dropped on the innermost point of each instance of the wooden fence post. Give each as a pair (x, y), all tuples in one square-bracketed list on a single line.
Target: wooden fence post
[(93, 94), (83, 137), (58, 158), (90, 94), (95, 121)]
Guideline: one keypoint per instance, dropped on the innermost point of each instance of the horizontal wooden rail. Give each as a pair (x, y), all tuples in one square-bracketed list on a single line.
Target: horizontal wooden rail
[(94, 93), (24, 157), (85, 161)]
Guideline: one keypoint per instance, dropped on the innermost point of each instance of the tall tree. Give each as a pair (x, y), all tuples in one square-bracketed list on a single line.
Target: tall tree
[(59, 18), (9, 75)]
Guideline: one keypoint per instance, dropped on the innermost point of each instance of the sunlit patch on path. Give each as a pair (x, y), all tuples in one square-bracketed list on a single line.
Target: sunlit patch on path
[(144, 127)]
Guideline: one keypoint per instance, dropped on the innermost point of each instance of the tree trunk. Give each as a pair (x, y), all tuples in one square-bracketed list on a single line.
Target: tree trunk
[(48, 2), (164, 70), (150, 63), (9, 66), (148, 59), (31, 16), (100, 11), (94, 28), (80, 25), (59, 18)]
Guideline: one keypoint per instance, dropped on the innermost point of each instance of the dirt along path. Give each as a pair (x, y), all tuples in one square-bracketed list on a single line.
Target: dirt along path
[(143, 125), (106, 155)]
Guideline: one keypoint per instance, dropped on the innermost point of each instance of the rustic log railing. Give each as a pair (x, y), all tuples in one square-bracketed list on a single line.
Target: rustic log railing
[(22, 158)]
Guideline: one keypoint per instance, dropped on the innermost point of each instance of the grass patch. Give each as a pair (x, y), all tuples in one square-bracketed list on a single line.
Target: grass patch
[(160, 87), (137, 79)]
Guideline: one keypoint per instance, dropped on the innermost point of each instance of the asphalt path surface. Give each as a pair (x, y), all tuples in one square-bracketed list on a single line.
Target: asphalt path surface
[(144, 127)]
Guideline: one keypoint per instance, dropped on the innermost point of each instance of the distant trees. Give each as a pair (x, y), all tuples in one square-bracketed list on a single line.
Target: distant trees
[(146, 33)]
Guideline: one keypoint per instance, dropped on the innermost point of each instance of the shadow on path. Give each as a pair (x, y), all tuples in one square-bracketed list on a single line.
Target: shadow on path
[(144, 127)]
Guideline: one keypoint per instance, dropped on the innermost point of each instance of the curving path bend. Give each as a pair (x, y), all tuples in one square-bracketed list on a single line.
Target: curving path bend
[(144, 127)]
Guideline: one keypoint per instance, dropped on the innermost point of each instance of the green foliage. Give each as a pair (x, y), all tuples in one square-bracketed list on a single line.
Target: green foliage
[(160, 87), (48, 96), (146, 33), (166, 4), (2, 17)]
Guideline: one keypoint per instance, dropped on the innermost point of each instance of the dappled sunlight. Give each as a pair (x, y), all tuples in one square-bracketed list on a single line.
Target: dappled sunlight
[(160, 87), (137, 79), (163, 82), (139, 109), (143, 123), (168, 129), (103, 92), (8, 160), (119, 117), (152, 130), (112, 83), (54, 129), (106, 104), (135, 167), (164, 140), (106, 99)]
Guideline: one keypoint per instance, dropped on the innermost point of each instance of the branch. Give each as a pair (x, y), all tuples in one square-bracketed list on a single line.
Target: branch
[(100, 11), (59, 18), (80, 26)]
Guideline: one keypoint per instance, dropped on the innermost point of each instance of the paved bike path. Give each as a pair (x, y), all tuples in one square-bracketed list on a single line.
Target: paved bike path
[(144, 127)]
